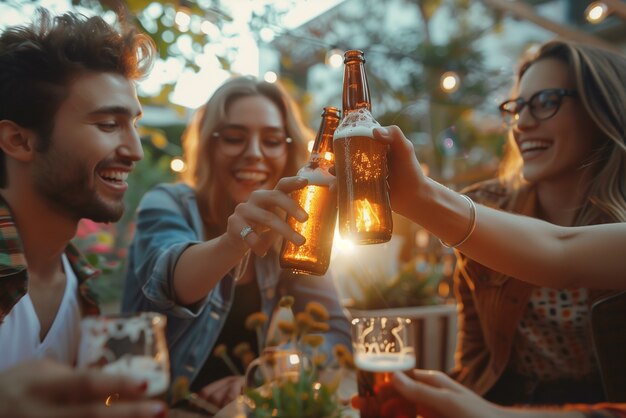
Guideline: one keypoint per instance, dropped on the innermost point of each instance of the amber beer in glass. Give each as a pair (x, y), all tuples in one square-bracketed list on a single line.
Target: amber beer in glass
[(361, 162), (313, 257), (382, 346)]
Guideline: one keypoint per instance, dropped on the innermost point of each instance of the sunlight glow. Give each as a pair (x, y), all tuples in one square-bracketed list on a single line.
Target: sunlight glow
[(193, 89), (341, 245)]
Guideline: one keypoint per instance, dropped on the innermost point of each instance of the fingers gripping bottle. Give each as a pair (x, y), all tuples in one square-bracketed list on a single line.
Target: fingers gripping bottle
[(313, 257), (360, 162)]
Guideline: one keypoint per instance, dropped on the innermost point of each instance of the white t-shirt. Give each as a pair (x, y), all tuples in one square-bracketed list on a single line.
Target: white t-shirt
[(19, 333)]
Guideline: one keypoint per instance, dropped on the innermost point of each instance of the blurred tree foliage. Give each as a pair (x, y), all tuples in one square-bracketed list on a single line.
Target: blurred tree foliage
[(404, 62), (159, 19), (404, 65)]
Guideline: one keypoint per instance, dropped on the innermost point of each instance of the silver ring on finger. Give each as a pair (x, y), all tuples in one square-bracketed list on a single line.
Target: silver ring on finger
[(245, 231)]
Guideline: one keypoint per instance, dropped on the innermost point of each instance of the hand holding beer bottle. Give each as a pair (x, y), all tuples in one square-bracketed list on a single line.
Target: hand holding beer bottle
[(316, 198), (361, 162)]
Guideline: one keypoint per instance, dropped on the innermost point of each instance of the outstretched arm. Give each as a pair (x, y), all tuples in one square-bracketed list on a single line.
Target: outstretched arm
[(202, 266), (526, 248), (172, 262)]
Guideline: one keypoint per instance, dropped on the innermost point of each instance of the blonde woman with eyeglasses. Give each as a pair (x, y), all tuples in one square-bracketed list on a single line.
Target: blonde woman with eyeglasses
[(204, 250), (541, 301)]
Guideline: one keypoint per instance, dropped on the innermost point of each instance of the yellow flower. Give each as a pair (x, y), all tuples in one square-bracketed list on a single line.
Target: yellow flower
[(344, 357), (219, 350), (316, 326), (244, 352), (286, 327), (256, 320), (241, 349), (304, 320), (341, 351), (319, 359), (317, 311), (313, 340), (286, 302)]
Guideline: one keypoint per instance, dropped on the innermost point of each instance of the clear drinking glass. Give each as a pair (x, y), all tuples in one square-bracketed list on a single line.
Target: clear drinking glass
[(382, 345), (128, 344)]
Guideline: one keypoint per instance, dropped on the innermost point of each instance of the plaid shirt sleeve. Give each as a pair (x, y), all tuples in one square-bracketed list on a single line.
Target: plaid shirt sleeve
[(13, 277), (13, 268)]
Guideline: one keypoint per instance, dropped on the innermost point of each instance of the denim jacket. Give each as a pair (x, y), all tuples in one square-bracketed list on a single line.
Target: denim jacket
[(168, 222)]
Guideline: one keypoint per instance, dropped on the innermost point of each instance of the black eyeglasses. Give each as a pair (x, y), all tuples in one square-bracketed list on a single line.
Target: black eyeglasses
[(542, 105)]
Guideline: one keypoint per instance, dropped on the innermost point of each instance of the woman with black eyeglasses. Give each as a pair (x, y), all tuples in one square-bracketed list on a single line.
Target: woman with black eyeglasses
[(204, 251), (542, 308)]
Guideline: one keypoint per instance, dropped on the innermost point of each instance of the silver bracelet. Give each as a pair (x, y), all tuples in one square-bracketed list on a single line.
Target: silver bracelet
[(472, 224)]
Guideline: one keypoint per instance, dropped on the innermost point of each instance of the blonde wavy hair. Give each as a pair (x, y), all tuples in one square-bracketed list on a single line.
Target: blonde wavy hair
[(198, 145), (600, 78)]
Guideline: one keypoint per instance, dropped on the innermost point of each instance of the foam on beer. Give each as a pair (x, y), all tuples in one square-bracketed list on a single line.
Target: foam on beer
[(143, 368), (384, 362), (318, 177), (357, 123)]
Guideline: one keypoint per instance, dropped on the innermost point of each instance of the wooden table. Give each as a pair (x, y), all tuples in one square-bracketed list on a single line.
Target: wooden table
[(179, 413)]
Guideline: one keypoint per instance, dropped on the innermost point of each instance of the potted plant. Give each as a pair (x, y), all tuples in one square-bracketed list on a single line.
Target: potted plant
[(287, 379), (412, 292)]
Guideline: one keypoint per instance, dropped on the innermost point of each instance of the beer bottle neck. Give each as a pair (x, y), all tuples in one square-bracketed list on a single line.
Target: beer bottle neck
[(356, 94), (323, 145), (324, 140)]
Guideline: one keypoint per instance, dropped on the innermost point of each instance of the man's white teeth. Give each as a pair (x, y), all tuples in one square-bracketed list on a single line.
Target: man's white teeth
[(250, 176), (114, 175), (533, 145)]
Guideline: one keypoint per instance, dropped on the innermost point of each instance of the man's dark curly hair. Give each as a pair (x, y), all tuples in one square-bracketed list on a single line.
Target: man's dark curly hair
[(38, 61)]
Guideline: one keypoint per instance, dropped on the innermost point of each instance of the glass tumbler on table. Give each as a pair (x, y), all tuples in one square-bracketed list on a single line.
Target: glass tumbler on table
[(128, 344), (382, 346)]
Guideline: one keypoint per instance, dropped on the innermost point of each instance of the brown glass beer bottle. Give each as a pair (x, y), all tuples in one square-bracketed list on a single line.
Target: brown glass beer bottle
[(313, 257), (360, 162)]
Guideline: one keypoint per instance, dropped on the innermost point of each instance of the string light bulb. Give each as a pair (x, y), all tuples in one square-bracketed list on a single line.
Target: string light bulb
[(449, 82), (334, 58), (270, 77), (177, 165), (596, 12)]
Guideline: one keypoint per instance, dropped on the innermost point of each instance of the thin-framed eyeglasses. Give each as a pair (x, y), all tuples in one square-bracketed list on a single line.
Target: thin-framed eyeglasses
[(233, 141), (542, 105)]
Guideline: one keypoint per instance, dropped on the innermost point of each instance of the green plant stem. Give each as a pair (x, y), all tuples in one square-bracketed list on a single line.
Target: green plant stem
[(230, 365)]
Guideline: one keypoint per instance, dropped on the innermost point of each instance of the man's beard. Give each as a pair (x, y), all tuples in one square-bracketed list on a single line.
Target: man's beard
[(65, 182)]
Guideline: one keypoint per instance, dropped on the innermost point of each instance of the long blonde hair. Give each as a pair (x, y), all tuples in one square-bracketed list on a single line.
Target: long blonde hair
[(214, 204), (600, 78)]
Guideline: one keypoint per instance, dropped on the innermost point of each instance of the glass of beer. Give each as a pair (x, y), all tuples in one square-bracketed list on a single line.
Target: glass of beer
[(127, 344), (382, 345)]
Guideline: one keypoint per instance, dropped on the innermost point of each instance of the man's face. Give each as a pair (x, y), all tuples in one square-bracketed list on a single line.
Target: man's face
[(93, 147)]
